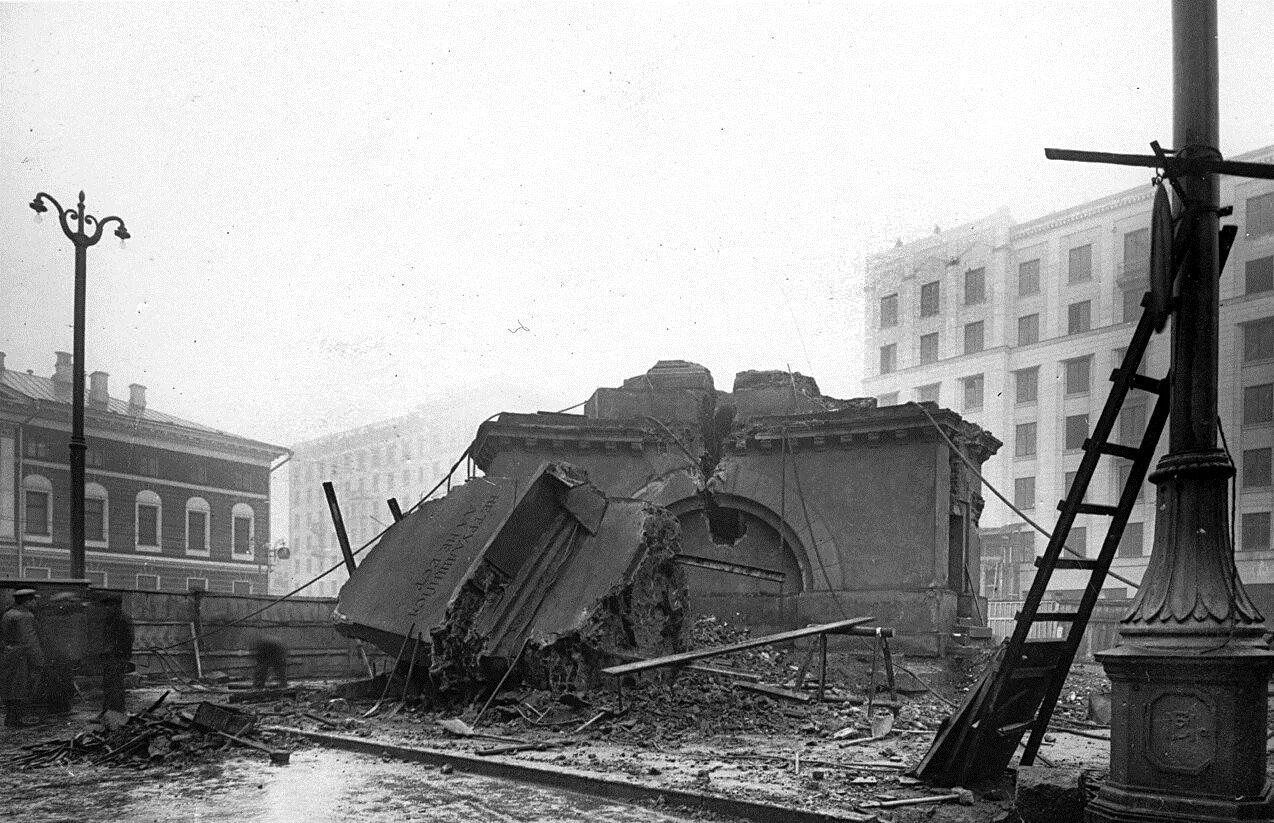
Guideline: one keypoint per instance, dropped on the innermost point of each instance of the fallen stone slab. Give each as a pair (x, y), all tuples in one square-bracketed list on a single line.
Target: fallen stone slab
[(501, 575)]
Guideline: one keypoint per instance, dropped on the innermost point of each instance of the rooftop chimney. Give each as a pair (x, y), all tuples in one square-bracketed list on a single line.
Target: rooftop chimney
[(136, 398), (97, 392), (62, 370)]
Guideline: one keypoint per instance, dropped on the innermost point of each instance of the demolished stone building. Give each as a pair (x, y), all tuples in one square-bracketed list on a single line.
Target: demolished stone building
[(795, 508)]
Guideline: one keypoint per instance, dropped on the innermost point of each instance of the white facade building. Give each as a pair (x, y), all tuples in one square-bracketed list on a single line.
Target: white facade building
[(1017, 326)]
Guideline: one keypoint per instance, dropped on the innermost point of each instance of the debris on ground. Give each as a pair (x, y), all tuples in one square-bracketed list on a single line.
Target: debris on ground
[(161, 734)]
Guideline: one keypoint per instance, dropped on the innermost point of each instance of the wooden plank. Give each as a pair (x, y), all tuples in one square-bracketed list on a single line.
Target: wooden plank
[(840, 626), (1178, 165), (730, 568)]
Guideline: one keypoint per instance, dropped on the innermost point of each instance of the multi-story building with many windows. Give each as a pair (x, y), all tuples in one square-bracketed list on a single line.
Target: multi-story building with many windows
[(401, 458), (169, 505), (1018, 326)]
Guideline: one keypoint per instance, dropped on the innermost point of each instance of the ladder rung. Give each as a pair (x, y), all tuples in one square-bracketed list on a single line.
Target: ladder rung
[(1055, 617), (1069, 563), (1117, 450), (1014, 728), (1092, 508), (1140, 381), (1027, 672)]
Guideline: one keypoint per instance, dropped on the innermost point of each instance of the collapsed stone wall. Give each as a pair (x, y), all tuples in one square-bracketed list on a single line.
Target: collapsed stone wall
[(643, 613)]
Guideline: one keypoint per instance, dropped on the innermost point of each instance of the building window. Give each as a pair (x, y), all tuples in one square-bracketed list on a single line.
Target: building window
[(973, 337), (96, 514), (1137, 253), (196, 584), (890, 399), (146, 465), (1131, 541), (1258, 404), (1123, 472), (96, 579), (1028, 278), (35, 449), (147, 582), (888, 358), (888, 319), (243, 520), (1026, 384), (1258, 340), (1025, 440), (1132, 305), (1079, 317), (1256, 531), (94, 458), (1077, 540), (37, 573), (1028, 330), (37, 515), (974, 286), (1260, 215), (197, 512), (1076, 431), (149, 516), (1080, 264), (928, 348), (929, 393), (1132, 424), (973, 390), (1258, 275), (241, 587), (1078, 375), (929, 298), (1024, 492), (1256, 468)]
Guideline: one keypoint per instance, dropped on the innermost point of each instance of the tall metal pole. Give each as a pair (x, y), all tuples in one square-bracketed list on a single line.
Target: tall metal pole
[(83, 230), (1189, 677), (78, 446)]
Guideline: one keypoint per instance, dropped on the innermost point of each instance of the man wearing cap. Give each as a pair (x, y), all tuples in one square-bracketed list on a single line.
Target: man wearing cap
[(21, 657), (117, 652)]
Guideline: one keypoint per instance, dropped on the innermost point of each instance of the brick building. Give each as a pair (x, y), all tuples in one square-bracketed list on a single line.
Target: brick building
[(1018, 325), (170, 505)]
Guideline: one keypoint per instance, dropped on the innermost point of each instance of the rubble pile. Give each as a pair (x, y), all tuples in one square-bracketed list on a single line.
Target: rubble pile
[(160, 735)]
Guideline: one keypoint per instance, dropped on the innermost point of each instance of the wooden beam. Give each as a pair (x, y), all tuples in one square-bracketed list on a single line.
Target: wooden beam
[(730, 568), (839, 627), (1173, 164)]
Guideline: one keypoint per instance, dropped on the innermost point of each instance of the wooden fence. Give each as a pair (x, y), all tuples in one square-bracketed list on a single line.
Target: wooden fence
[(1101, 633)]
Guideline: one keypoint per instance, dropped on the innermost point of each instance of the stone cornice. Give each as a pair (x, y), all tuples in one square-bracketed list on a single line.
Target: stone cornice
[(164, 435), (1084, 211)]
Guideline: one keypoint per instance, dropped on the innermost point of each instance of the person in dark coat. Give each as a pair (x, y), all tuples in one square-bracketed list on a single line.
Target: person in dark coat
[(117, 653), (64, 630), (22, 660), (271, 657)]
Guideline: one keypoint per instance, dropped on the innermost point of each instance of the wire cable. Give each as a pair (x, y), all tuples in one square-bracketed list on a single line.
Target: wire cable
[(960, 454)]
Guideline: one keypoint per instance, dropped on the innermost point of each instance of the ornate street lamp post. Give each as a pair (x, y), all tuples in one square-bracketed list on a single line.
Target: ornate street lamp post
[(74, 222), (1189, 678)]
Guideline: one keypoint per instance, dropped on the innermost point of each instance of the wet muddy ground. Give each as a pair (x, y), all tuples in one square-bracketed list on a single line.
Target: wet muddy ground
[(319, 785)]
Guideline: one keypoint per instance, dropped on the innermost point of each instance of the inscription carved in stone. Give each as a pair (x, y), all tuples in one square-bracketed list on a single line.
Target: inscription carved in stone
[(1181, 732)]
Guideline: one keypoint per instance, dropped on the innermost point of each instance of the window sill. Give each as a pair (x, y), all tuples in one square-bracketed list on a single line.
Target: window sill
[(148, 549), (1024, 457), (97, 544), (38, 538), (192, 553)]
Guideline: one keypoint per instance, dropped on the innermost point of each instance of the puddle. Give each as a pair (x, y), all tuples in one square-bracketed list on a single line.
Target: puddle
[(319, 785)]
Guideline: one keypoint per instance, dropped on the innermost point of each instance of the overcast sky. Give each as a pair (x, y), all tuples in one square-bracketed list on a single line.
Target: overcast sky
[(341, 211)]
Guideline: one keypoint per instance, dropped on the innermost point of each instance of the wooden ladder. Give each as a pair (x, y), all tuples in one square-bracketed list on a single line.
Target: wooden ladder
[(1020, 688)]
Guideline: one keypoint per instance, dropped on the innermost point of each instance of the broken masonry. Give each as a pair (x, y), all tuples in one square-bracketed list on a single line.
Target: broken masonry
[(795, 507), (544, 574)]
